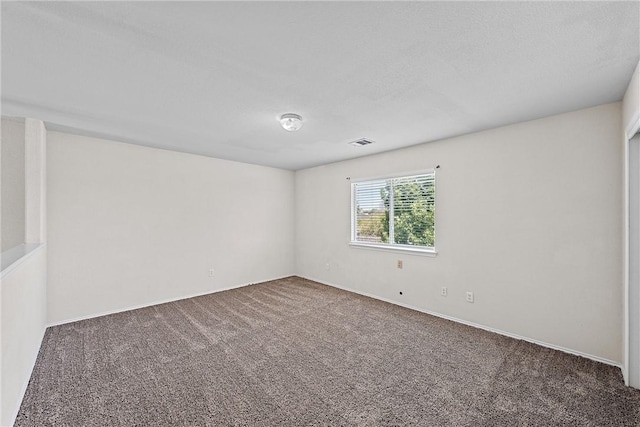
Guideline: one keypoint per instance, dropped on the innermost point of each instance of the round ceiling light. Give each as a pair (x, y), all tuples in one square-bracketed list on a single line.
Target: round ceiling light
[(291, 122)]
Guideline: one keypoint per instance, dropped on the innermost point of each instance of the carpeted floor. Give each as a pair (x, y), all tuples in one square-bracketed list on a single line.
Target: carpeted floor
[(294, 352)]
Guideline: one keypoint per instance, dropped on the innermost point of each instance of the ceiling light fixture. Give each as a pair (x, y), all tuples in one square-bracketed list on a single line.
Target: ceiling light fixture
[(291, 122)]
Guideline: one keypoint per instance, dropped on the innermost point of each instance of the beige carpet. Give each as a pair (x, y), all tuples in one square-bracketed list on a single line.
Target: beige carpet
[(294, 352)]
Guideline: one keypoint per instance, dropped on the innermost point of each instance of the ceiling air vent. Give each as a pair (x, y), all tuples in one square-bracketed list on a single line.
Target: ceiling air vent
[(361, 142)]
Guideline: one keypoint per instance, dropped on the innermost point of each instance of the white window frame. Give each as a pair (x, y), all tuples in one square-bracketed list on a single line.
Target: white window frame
[(391, 247)]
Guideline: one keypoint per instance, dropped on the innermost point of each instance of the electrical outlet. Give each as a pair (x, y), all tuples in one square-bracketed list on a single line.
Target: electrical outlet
[(400, 263), (327, 266), (443, 291), (469, 296), (211, 271)]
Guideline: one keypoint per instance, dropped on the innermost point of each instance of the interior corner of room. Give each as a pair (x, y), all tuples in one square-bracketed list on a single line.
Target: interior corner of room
[(538, 219)]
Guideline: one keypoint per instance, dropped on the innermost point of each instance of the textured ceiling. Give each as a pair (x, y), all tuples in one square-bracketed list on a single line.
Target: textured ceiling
[(211, 78)]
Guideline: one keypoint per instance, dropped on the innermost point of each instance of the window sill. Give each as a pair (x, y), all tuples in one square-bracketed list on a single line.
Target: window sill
[(389, 248), (12, 258)]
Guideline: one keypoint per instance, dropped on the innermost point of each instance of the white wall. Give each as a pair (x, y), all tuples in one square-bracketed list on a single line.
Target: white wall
[(528, 218), (631, 105), (23, 279), (13, 187), (131, 226), (35, 196), (633, 362), (631, 326), (23, 322)]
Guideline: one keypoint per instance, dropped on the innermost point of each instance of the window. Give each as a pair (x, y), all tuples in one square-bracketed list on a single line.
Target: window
[(395, 213)]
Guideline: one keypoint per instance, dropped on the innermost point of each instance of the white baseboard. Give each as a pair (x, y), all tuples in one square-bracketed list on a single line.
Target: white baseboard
[(433, 313), (149, 304), (477, 325)]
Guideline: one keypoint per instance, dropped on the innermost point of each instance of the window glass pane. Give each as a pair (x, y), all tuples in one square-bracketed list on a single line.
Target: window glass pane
[(372, 211), (414, 210)]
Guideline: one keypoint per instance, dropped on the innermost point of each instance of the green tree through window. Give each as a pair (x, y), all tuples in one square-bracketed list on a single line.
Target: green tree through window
[(398, 211)]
